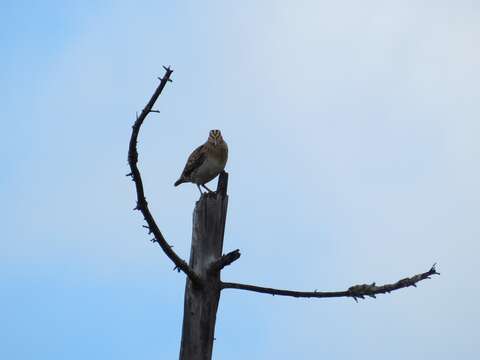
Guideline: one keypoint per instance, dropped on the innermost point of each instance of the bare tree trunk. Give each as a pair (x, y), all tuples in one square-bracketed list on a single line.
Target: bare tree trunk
[(201, 301)]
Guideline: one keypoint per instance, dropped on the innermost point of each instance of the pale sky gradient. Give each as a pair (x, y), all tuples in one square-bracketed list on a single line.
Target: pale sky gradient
[(353, 130)]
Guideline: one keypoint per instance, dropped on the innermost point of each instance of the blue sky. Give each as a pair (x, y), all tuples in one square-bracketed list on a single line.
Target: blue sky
[(353, 133)]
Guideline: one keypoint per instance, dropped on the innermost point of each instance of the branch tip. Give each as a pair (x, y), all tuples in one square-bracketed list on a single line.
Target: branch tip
[(433, 269)]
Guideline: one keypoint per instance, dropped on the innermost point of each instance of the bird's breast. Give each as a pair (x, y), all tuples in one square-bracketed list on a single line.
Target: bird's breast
[(207, 171)]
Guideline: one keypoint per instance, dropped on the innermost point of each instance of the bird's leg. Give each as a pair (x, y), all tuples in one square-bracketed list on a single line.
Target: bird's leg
[(199, 189), (210, 191)]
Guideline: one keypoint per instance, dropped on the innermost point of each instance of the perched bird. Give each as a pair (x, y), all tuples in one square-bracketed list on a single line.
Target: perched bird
[(205, 162)]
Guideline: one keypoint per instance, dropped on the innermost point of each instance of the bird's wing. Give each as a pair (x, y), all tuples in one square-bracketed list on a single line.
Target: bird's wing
[(195, 160)]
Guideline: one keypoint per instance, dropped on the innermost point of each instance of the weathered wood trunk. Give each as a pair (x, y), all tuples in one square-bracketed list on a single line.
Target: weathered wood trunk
[(201, 301)]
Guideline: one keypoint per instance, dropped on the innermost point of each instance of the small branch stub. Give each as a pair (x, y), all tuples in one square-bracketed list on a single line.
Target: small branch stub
[(225, 260)]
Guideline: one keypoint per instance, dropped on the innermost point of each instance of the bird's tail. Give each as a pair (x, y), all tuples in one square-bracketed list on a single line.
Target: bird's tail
[(178, 182)]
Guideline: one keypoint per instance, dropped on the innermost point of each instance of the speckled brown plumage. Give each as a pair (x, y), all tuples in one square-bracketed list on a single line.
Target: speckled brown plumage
[(206, 161)]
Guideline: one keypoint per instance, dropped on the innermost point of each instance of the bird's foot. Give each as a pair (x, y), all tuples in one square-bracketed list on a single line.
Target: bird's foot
[(209, 193), (206, 188)]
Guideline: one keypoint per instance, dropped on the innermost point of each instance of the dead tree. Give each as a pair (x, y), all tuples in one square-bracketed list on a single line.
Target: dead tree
[(203, 282)]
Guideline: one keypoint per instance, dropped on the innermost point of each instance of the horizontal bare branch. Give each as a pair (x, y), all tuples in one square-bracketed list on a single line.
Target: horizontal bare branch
[(355, 292), (142, 204)]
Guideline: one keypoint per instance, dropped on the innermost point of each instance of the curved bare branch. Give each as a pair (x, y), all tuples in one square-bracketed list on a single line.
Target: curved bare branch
[(355, 292), (142, 204)]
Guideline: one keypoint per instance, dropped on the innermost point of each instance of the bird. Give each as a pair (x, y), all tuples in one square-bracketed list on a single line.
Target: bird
[(205, 162)]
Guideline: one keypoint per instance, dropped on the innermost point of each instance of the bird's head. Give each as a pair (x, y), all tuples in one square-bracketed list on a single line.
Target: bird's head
[(215, 137)]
